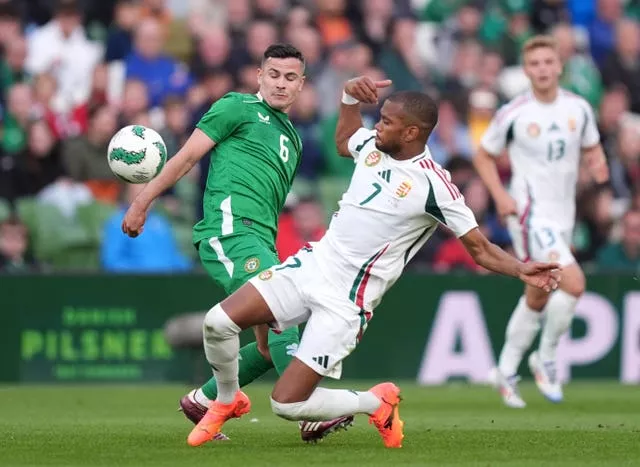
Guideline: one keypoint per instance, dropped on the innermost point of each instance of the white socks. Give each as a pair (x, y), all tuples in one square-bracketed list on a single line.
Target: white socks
[(200, 398), (558, 316), (327, 404), (523, 326), (222, 347)]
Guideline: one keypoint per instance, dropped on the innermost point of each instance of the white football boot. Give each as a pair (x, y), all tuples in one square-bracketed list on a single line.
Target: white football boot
[(508, 389), (546, 378)]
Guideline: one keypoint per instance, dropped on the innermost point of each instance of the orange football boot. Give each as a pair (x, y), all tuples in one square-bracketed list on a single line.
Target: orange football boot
[(387, 418), (216, 416)]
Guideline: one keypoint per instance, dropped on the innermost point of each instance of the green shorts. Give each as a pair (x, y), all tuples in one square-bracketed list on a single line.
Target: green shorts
[(234, 259)]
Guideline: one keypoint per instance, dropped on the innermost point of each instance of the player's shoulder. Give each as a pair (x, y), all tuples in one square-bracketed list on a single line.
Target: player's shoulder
[(570, 98), (435, 178), (510, 110)]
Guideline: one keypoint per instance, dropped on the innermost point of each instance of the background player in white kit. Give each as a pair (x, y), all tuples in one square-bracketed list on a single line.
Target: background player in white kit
[(396, 199), (546, 131)]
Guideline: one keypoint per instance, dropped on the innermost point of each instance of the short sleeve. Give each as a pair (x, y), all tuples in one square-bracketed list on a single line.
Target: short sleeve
[(590, 134), (358, 141), (458, 217), (446, 204), (496, 138), (222, 119)]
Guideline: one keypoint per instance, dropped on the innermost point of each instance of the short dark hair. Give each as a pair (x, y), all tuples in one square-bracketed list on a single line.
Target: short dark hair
[(419, 106), (282, 51)]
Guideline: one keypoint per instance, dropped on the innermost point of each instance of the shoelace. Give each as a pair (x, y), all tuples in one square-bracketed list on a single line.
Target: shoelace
[(550, 368)]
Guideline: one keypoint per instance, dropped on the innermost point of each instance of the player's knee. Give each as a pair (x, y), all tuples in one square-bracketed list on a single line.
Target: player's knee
[(288, 410), (218, 325), (573, 281)]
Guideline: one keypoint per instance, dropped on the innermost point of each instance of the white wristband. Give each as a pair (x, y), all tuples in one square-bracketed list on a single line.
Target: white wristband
[(349, 100)]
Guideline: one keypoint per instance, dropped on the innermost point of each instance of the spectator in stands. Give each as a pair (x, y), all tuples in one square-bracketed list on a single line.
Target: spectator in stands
[(160, 73), (337, 71), (518, 31), (154, 251), (85, 158), (273, 10), (602, 29), (212, 52), (306, 119), (157, 10), (205, 15), (120, 35), (624, 255), (400, 60), (135, 100), (580, 74), (613, 108), (20, 114), (14, 245), (63, 122), (546, 13), (625, 160), (12, 66), (482, 107), (377, 16), (261, 33), (302, 223), (176, 123), (41, 163), (61, 48), (10, 23), (332, 22), (622, 65), (594, 222), (308, 41), (451, 135)]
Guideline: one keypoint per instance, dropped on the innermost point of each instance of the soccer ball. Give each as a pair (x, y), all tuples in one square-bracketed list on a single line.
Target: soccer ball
[(136, 154)]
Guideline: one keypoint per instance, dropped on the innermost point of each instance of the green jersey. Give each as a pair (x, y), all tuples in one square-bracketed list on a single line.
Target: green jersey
[(253, 164)]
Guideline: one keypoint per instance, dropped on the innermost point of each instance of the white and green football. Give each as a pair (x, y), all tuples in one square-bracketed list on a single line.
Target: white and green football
[(136, 154)]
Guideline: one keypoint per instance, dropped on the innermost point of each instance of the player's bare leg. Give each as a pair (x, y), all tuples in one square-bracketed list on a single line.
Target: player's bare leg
[(558, 314), (297, 397)]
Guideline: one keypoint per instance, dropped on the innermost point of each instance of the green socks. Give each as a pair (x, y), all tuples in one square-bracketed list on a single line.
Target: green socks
[(253, 365)]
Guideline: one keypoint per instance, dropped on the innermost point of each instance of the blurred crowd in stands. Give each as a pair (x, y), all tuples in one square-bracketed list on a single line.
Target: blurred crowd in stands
[(73, 72)]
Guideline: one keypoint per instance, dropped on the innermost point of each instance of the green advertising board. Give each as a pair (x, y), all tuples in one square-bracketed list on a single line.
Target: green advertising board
[(432, 328)]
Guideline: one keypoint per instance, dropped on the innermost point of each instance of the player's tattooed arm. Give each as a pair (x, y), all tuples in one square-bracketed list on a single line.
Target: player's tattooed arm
[(178, 166), (490, 256), (356, 90), (596, 163)]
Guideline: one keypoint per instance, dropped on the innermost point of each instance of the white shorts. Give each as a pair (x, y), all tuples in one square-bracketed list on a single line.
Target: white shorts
[(540, 240), (296, 291)]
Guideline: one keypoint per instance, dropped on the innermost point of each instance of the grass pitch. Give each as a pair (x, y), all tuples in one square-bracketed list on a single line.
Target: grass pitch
[(599, 424)]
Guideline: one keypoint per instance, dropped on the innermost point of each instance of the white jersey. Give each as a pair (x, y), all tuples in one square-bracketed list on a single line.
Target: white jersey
[(389, 211), (544, 142)]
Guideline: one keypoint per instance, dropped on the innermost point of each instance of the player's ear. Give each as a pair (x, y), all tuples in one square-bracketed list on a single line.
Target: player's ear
[(301, 83), (259, 76), (411, 133)]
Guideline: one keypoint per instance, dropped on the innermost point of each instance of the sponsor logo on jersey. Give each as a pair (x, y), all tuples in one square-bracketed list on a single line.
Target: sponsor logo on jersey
[(404, 189), (554, 127), (265, 275), (533, 130), (573, 124), (373, 158), (252, 264), (264, 118)]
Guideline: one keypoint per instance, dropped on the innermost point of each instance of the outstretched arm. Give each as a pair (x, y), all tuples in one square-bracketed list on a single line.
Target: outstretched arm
[(485, 165), (193, 150), (357, 90), (490, 256)]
